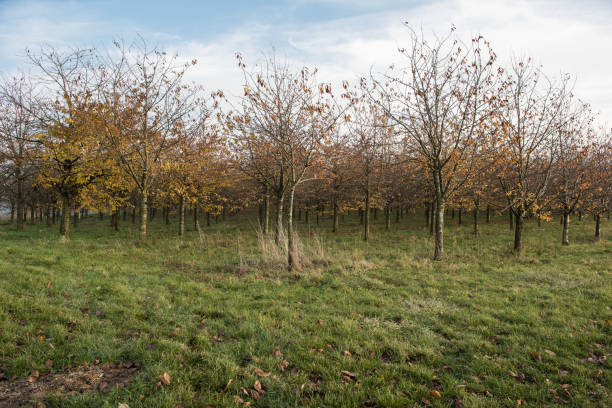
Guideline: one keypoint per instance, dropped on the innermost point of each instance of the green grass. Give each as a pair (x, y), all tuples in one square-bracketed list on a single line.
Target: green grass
[(485, 327)]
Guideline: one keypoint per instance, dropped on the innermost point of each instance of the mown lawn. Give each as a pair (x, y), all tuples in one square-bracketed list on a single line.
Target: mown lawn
[(364, 325)]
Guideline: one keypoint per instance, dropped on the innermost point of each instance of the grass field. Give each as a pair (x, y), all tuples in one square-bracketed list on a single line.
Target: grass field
[(363, 325)]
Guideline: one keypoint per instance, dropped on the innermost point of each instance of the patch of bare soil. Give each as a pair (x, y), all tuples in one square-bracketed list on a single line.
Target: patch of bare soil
[(84, 379)]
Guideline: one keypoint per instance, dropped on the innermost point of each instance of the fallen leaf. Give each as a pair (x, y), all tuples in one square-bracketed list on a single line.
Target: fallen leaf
[(256, 396), (550, 352), (227, 385), (536, 355), (348, 374), (435, 393), (165, 378), (261, 373)]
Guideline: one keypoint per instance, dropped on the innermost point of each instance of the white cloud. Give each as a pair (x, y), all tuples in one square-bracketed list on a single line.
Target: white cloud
[(565, 36)]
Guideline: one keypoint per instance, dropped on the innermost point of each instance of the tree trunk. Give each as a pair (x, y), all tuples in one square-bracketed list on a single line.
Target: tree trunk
[(76, 217), (143, 214), (439, 240), (565, 239), (432, 217), (335, 217), (54, 214), (116, 220), (360, 216), (366, 218), (459, 221), (48, 214), (488, 214), (427, 215), (518, 231), (397, 214), (196, 219), (476, 231), (597, 226), (266, 221), (580, 215), (32, 215), (20, 209), (279, 217), (511, 219), (387, 218), (65, 224), (291, 256), (181, 229)]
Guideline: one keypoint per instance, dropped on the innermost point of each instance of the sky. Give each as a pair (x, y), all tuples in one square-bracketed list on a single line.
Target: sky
[(345, 39)]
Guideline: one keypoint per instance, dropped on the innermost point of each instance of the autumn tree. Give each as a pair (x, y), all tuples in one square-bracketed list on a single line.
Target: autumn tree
[(283, 119), (437, 101), (371, 136), (148, 103), (599, 198), (571, 176), (530, 114), (18, 136), (71, 150)]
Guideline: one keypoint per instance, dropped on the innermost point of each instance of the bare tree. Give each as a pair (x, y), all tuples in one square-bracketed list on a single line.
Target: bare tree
[(284, 117), (18, 127), (437, 101), (529, 116)]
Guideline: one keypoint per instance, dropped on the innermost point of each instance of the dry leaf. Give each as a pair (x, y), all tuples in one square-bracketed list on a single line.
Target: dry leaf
[(227, 385), (261, 373), (435, 393), (255, 395), (165, 378), (348, 374)]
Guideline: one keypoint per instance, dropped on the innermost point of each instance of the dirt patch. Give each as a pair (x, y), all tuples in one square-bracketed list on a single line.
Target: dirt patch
[(79, 380)]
